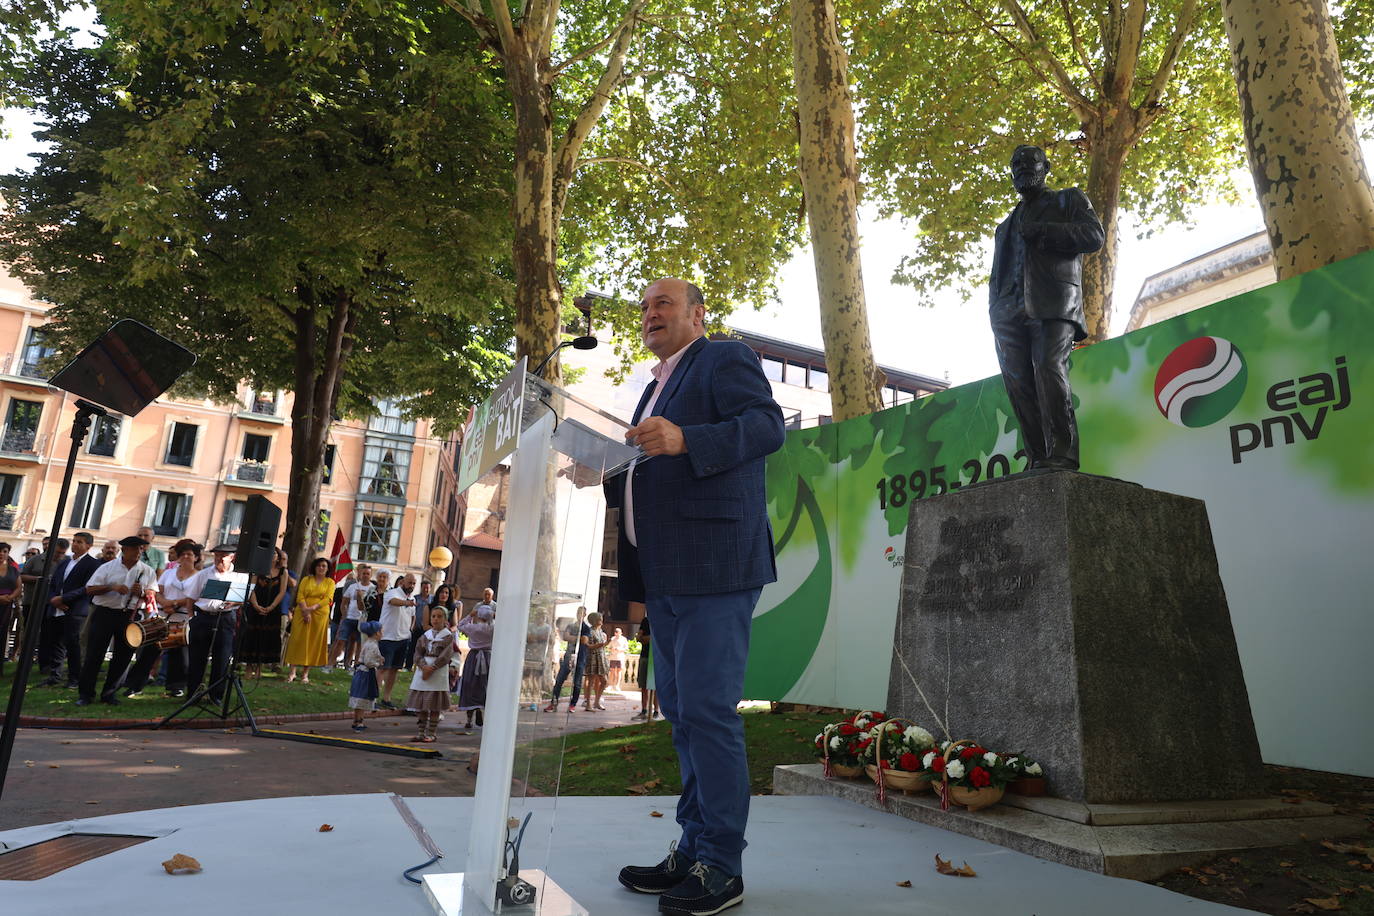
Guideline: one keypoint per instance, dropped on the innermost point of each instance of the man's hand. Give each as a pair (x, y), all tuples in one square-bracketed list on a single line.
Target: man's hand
[(658, 436)]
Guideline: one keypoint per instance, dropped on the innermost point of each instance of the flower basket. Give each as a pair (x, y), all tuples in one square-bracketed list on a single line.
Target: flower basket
[(973, 797), (837, 746), (909, 783)]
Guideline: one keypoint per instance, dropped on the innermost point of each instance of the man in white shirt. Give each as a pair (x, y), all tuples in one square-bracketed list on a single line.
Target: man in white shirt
[(116, 590), (618, 648), (398, 609), (212, 627), (347, 640)]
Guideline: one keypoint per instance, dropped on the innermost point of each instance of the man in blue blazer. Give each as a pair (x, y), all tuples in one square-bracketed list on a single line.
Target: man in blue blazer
[(69, 599), (696, 547)]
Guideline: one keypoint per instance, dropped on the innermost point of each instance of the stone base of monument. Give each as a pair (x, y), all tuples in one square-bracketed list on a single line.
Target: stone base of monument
[(1081, 621), (1141, 841)]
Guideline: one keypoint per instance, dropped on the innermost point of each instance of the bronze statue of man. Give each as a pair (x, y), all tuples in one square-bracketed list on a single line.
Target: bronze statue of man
[(1035, 302)]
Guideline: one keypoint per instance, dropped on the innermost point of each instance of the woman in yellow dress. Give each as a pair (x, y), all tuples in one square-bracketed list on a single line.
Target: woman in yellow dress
[(309, 644)]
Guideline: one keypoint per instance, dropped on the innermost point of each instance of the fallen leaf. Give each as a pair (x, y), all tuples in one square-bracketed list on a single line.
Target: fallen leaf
[(628, 749), (1235, 860), (904, 884), (181, 863), (92, 802), (1346, 848), (1286, 865), (131, 775), (945, 868), (147, 761), (325, 828), (54, 766), (637, 789), (1209, 870), (655, 814), (28, 763), (1325, 903), (1366, 887)]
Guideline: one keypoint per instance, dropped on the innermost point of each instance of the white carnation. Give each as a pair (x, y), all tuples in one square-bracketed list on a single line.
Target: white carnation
[(990, 759), (955, 769), (1011, 761), (836, 743), (928, 759), (919, 736), (1034, 770)]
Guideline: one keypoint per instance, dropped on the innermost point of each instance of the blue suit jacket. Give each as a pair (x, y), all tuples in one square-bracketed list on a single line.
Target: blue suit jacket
[(73, 588), (700, 517)]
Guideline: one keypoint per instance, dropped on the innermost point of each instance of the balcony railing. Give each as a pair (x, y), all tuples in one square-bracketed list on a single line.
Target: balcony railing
[(16, 364), (267, 407), (245, 470), (22, 442)]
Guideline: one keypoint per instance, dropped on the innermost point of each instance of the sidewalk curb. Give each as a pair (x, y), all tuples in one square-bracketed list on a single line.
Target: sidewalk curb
[(74, 723)]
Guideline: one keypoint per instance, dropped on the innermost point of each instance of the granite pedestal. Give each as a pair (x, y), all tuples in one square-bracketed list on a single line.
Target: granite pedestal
[(1080, 620)]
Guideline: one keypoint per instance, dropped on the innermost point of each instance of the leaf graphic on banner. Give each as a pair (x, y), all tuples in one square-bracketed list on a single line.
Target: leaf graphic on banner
[(792, 630)]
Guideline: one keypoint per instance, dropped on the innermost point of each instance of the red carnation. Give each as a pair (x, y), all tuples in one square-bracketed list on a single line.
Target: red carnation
[(864, 743), (878, 717), (847, 729), (883, 765), (979, 777), (909, 762), (938, 764), (968, 753)]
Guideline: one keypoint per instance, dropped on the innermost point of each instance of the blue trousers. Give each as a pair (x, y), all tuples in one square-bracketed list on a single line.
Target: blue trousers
[(701, 644)]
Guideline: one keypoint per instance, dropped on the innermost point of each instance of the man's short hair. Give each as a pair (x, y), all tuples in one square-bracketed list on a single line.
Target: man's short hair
[(63, 544), (85, 536), (361, 566), (694, 296), (1031, 146)]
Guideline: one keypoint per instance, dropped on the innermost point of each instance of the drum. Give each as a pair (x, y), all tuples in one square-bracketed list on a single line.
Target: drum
[(176, 636), (142, 631)]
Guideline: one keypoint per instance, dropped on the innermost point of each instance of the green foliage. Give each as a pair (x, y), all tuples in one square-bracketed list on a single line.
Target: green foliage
[(692, 171), (215, 173), (944, 100)]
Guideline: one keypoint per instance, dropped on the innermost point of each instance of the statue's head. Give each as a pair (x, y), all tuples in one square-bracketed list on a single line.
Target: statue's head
[(1029, 167)]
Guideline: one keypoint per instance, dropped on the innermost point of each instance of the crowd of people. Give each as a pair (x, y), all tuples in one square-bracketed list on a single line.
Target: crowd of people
[(155, 618)]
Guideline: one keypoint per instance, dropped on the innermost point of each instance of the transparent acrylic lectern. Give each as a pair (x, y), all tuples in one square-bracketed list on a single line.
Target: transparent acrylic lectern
[(550, 568)]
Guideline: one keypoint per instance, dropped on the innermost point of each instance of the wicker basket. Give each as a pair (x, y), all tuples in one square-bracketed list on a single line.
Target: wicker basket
[(843, 771), (908, 783), (973, 799)]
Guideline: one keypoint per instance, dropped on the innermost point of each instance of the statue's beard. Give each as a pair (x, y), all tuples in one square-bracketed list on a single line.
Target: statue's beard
[(1024, 183)]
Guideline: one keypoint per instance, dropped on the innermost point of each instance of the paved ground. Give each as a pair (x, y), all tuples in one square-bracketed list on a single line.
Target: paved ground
[(60, 774)]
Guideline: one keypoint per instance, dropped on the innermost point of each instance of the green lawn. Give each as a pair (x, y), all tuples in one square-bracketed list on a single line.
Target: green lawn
[(639, 759), (326, 692)]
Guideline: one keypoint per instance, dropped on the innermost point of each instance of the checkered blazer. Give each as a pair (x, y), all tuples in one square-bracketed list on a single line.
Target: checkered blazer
[(700, 517)]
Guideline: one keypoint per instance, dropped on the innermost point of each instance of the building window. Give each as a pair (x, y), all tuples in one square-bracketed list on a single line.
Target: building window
[(327, 474), (88, 509), (21, 427), (167, 513), (772, 368), (388, 420), (231, 522), (386, 467), (820, 379), (181, 444), (376, 533), (796, 374), (10, 485), (256, 448), (263, 402), (35, 352), (104, 437)]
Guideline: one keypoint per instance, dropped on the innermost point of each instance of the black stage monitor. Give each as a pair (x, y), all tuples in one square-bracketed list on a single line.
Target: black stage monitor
[(125, 369)]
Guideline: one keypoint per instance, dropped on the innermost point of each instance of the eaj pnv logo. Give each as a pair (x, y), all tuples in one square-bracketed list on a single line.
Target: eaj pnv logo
[(1200, 382)]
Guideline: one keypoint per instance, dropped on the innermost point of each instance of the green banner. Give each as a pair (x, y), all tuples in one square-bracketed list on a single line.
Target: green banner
[(1261, 405)]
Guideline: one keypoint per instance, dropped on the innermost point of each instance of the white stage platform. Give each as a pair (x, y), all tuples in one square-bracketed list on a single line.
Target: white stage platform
[(807, 855)]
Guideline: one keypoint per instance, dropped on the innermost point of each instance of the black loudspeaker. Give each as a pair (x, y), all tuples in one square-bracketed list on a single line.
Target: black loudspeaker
[(257, 537)]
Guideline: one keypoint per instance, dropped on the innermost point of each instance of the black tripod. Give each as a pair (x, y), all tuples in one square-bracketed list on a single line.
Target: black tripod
[(232, 699)]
